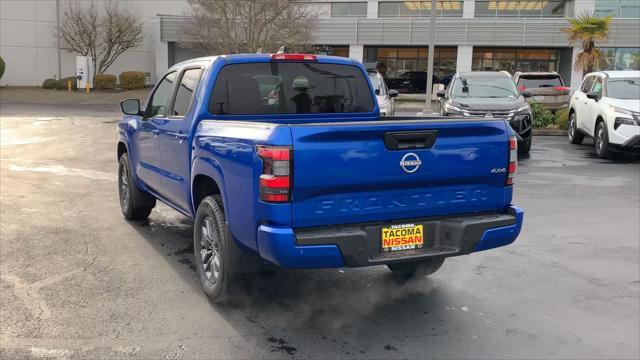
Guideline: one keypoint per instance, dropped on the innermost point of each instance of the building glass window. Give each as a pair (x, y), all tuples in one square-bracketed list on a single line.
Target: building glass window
[(349, 9), (513, 60), (618, 8), (394, 61), (334, 50), (414, 9), (520, 9), (619, 59)]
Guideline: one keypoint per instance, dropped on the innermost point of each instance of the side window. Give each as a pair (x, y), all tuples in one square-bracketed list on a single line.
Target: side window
[(587, 84), (597, 86), (159, 102), (184, 96)]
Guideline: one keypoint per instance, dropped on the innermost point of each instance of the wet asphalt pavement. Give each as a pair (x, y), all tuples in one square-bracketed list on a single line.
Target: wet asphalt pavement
[(78, 281)]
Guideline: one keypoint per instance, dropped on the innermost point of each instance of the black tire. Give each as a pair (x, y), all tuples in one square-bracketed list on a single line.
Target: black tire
[(601, 141), (575, 137), (210, 246), (524, 146), (135, 203), (407, 270)]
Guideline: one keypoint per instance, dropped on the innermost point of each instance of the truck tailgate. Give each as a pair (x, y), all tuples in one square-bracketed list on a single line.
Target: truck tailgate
[(353, 172)]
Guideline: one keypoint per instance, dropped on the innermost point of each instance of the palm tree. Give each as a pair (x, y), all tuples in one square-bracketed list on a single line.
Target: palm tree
[(588, 30)]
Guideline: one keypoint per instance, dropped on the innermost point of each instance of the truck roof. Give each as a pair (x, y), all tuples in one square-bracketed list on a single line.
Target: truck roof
[(265, 57)]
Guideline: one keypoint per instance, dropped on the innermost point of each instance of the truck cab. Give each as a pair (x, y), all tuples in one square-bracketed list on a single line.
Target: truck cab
[(284, 159)]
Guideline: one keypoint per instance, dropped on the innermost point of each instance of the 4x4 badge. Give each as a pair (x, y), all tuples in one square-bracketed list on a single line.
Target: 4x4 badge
[(410, 163)]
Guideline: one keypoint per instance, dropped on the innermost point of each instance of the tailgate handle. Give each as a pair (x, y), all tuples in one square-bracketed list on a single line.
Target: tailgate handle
[(407, 140)]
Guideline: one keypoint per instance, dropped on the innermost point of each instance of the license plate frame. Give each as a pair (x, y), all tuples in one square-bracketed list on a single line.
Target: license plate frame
[(402, 237)]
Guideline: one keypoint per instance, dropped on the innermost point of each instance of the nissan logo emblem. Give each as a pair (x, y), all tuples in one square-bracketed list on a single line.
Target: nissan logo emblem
[(488, 115), (410, 163)]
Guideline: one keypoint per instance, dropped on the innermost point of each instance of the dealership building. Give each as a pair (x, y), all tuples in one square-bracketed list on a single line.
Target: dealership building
[(470, 35)]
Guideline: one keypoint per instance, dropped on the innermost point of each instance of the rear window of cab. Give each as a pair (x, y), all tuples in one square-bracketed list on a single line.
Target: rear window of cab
[(290, 88)]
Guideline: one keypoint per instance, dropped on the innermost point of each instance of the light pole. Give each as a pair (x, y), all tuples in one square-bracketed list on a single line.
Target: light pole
[(58, 38), (428, 110)]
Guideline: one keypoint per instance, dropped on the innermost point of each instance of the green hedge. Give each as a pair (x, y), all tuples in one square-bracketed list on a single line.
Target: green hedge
[(542, 117), (131, 80), (105, 82), (62, 83), (49, 84)]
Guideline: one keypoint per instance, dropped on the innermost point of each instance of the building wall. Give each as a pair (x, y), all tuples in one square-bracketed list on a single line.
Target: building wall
[(28, 43), (29, 47)]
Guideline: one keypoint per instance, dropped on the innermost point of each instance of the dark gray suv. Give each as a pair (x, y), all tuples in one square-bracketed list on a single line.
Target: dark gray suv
[(489, 94)]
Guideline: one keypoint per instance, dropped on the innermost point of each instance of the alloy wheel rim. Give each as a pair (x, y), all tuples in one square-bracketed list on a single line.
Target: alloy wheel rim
[(210, 250), (572, 125), (124, 186), (599, 140)]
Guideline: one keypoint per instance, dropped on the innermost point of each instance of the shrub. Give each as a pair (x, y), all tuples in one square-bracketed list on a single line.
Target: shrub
[(62, 83), (2, 67), (562, 118), (49, 84), (542, 117), (130, 80), (105, 82)]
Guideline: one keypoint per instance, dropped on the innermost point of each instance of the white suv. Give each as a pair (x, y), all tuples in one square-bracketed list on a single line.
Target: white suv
[(607, 108)]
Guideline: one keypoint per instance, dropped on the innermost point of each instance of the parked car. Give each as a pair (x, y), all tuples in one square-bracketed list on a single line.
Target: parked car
[(546, 88), (489, 94), (315, 179), (384, 96), (409, 82), (607, 108)]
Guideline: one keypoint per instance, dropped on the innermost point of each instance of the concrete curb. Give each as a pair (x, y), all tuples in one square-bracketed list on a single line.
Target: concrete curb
[(549, 132)]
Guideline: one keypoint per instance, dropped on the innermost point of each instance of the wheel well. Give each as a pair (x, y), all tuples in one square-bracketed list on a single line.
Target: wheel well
[(599, 119), (122, 148), (571, 111), (203, 186)]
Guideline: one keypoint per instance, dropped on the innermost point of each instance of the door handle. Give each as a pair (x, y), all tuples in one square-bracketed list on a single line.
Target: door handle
[(155, 132), (408, 140)]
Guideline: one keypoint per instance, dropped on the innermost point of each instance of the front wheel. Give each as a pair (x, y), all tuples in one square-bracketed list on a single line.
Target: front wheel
[(575, 137), (134, 203), (524, 146), (601, 141), (408, 270)]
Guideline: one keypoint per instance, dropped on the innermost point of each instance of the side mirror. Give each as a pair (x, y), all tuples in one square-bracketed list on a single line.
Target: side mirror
[(593, 95), (527, 94), (393, 93), (377, 91), (441, 94), (130, 107)]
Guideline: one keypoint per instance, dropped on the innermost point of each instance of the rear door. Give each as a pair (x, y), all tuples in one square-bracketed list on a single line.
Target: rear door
[(580, 102), (389, 170)]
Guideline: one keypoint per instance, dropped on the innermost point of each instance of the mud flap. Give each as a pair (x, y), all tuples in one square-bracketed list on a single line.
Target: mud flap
[(241, 261)]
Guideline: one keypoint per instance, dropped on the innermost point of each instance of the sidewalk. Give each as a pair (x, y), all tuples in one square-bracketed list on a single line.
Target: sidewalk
[(36, 95)]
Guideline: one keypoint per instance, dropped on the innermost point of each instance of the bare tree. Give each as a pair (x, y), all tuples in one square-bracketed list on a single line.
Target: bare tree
[(248, 26), (103, 36)]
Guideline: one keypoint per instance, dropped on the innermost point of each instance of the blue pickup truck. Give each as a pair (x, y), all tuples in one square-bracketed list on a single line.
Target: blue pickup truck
[(284, 159)]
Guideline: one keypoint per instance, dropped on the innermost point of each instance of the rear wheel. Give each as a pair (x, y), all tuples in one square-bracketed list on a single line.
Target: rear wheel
[(408, 270), (210, 245), (575, 137), (601, 141), (135, 203)]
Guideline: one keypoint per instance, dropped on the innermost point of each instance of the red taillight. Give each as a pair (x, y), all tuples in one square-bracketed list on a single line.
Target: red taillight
[(521, 88), (275, 180), (294, 57), (513, 159), (561, 88)]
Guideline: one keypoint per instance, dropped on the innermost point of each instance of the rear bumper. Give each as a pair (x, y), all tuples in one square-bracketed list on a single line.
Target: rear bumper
[(360, 244)]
